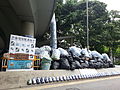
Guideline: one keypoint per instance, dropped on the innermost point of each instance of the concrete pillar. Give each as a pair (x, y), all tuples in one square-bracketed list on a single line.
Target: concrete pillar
[(28, 28), (53, 33)]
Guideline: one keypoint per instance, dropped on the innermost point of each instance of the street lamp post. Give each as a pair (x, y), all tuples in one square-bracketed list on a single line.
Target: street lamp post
[(87, 26)]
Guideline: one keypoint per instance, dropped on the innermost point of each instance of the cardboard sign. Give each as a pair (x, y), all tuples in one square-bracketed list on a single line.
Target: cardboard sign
[(21, 44)]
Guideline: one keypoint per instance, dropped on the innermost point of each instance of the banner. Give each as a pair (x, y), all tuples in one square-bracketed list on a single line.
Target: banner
[(20, 64), (21, 44)]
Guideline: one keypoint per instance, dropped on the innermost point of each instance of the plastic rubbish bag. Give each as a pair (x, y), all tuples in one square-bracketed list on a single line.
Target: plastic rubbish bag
[(85, 53), (91, 64), (105, 57), (55, 65), (45, 54), (95, 54), (78, 66), (89, 52), (45, 48), (37, 51), (111, 64), (64, 64), (63, 52), (72, 66), (84, 65), (55, 54), (75, 51), (70, 59), (41, 49), (42, 53)]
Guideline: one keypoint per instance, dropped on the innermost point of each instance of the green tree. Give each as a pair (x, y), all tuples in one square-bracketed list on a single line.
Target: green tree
[(111, 34), (71, 21)]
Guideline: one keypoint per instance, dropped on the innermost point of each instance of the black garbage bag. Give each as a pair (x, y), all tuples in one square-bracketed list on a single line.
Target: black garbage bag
[(100, 60), (63, 56), (55, 65), (98, 65), (86, 62), (84, 65), (81, 61), (64, 63), (105, 65), (72, 66), (70, 59), (101, 64), (91, 65), (78, 66), (93, 61), (77, 58), (111, 65)]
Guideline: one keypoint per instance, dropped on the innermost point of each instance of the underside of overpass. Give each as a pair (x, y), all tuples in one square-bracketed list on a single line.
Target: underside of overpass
[(24, 17)]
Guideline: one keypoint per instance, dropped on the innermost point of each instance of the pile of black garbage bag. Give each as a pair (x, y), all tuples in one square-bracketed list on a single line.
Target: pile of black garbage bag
[(77, 58)]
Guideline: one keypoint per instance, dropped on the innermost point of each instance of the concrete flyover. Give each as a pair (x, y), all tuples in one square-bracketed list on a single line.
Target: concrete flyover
[(24, 17)]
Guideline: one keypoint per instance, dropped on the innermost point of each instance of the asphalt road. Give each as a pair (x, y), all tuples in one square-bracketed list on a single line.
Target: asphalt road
[(108, 83), (111, 84)]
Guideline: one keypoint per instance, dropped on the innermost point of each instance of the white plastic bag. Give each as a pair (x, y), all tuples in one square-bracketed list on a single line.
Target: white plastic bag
[(55, 54), (106, 57), (63, 52), (45, 48), (96, 54), (45, 54)]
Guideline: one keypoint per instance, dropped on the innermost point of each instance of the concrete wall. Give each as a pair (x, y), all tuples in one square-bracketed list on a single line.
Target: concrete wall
[(15, 79)]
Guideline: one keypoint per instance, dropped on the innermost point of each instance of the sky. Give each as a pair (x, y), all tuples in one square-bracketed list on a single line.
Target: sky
[(112, 4)]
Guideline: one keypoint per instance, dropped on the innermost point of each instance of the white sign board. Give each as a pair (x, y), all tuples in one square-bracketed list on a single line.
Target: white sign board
[(21, 44)]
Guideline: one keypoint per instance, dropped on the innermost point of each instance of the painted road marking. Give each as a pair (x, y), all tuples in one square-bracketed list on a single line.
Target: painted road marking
[(66, 84)]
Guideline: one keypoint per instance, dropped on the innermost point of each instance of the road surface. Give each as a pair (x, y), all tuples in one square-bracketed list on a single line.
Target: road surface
[(109, 83)]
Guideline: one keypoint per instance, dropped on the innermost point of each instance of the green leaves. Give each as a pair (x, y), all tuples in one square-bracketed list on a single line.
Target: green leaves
[(104, 26)]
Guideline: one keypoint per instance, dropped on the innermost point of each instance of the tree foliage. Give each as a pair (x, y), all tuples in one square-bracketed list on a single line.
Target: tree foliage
[(104, 26)]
